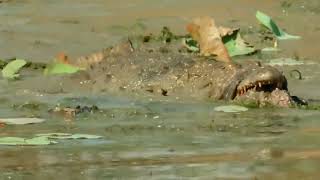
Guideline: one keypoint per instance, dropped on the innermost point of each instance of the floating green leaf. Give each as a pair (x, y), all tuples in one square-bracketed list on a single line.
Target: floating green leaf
[(14, 141), (12, 68), (54, 134), (231, 108), (270, 49), (236, 45), (44, 139), (284, 61), (85, 136), (39, 141), (270, 24), (60, 68), (233, 42), (21, 121), (68, 136), (190, 44)]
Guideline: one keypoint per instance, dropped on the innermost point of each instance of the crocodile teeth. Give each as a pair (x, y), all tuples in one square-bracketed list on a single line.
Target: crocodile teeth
[(260, 84)]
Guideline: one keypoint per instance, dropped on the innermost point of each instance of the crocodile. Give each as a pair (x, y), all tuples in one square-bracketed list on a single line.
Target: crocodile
[(165, 69)]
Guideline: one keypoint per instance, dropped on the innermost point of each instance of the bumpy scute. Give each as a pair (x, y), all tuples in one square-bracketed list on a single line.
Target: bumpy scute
[(166, 71)]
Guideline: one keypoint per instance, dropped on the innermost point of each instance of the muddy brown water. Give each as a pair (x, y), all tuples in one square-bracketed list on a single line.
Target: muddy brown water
[(157, 138)]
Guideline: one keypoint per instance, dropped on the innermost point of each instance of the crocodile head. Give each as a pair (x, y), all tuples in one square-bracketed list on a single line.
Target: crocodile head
[(262, 84)]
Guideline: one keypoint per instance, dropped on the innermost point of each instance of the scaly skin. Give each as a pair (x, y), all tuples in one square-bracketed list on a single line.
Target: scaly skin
[(162, 70)]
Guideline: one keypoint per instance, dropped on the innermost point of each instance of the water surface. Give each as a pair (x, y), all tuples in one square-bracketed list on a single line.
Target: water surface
[(161, 138)]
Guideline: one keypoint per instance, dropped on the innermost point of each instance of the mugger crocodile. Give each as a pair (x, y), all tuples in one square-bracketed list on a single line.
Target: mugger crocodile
[(167, 70)]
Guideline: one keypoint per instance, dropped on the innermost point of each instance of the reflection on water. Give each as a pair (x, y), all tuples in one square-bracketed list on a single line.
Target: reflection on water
[(154, 139)]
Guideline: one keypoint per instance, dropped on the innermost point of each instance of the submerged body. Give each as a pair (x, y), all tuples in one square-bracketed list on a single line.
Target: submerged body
[(166, 71)]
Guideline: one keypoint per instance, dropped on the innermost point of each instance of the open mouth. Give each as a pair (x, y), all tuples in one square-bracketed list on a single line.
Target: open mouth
[(264, 92), (258, 86), (263, 79)]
